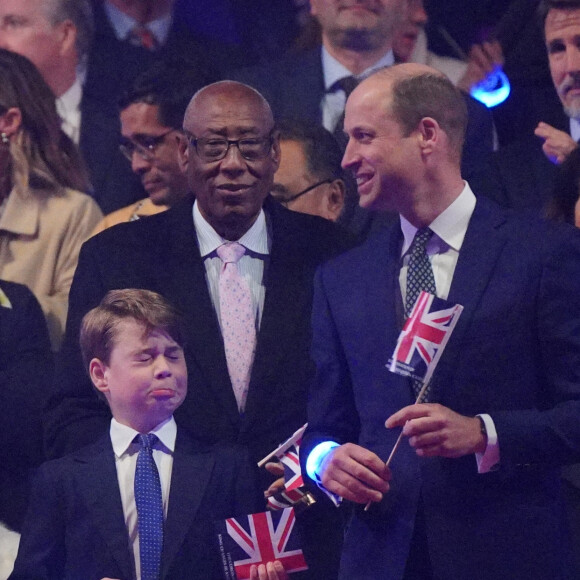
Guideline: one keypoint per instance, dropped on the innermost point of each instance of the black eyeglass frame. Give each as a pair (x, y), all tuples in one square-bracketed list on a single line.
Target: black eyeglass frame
[(269, 139), (146, 152), (304, 191)]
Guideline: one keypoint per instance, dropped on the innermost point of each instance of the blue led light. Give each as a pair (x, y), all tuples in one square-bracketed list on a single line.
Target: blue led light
[(493, 90), (317, 456)]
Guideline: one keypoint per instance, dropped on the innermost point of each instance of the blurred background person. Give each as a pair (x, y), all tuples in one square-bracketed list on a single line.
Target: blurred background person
[(44, 218), (410, 45), (152, 112), (309, 178), (56, 35), (26, 367)]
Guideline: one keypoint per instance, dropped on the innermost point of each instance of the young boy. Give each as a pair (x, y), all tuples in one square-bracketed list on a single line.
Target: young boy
[(140, 503)]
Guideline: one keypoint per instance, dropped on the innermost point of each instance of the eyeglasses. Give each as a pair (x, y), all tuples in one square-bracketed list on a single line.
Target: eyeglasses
[(288, 200), (214, 149), (145, 147)]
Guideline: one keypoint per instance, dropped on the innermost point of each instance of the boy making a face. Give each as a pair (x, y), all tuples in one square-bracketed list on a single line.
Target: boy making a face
[(141, 502)]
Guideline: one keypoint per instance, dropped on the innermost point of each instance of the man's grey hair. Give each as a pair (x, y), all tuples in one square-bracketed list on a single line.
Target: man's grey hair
[(80, 13)]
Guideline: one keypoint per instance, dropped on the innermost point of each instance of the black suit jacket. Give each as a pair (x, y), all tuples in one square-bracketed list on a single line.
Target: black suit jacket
[(294, 87), (161, 254), (26, 368), (514, 354), (520, 176), (76, 528)]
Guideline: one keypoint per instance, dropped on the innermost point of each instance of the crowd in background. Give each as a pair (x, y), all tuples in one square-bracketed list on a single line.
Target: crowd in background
[(92, 99)]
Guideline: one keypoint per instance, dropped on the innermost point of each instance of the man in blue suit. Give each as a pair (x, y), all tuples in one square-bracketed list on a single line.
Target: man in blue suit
[(473, 491)]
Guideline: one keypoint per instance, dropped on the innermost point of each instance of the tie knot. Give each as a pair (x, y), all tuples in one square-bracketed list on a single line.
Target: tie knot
[(346, 84), (230, 252), (146, 441), (142, 36), (420, 240)]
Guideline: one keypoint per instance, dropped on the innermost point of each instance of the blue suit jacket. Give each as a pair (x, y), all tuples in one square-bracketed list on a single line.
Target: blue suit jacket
[(515, 354), (294, 87), (75, 528)]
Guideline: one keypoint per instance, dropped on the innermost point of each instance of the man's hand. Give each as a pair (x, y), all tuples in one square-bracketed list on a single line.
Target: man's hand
[(355, 473), (557, 144), (270, 571), (434, 430), (483, 60), (277, 469)]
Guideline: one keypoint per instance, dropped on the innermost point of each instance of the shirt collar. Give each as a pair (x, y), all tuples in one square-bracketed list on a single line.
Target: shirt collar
[(123, 24), (122, 435), (255, 239), (70, 101), (575, 129), (450, 226), (333, 70)]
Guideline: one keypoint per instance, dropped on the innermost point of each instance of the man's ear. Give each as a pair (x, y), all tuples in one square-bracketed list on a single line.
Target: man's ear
[(183, 153), (429, 134), (11, 121), (334, 199), (68, 36), (276, 152), (98, 374)]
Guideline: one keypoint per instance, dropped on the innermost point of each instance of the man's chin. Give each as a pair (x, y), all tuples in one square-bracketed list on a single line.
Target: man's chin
[(572, 109)]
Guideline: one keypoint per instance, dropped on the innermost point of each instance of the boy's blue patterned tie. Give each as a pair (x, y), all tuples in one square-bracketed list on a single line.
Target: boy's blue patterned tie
[(149, 509)]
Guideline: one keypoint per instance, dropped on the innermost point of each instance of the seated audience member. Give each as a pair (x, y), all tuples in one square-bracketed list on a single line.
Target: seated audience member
[(314, 85), (152, 113), (56, 36), (26, 368), (309, 178), (43, 220), (410, 45), (142, 501), (131, 36), (521, 175)]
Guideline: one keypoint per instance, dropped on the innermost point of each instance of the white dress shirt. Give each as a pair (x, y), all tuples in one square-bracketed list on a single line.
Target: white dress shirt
[(449, 229), (68, 106), (126, 452), (123, 24), (252, 264), (332, 104)]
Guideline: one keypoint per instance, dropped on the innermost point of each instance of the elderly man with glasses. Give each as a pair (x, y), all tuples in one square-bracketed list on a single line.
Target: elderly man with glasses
[(248, 358)]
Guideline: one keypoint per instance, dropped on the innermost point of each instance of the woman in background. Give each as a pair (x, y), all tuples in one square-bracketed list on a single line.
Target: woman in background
[(44, 218)]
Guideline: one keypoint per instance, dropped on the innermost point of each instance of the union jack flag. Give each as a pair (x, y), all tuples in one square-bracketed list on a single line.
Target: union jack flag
[(424, 337), (258, 539), (287, 453)]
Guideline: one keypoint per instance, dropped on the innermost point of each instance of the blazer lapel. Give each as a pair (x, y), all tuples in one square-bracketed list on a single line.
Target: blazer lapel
[(97, 481), (189, 480), (480, 251)]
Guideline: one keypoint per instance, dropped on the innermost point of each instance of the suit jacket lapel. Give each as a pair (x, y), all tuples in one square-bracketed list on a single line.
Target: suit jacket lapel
[(189, 480), (97, 482), (479, 253)]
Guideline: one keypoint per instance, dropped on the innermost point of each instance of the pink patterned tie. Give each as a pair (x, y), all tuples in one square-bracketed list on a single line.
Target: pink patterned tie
[(237, 320)]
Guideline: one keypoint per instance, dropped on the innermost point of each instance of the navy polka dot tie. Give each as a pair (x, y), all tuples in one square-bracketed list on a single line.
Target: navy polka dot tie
[(419, 277), (149, 509)]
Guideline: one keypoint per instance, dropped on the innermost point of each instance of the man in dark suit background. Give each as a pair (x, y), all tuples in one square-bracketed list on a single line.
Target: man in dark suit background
[(356, 39), (26, 368), (230, 151), (56, 36), (522, 175), (473, 491)]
